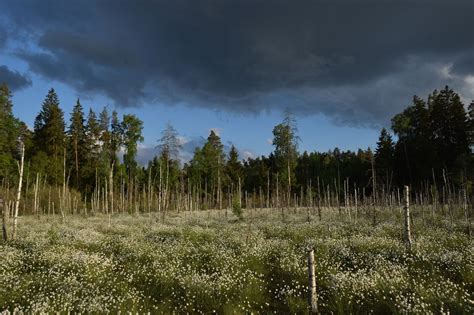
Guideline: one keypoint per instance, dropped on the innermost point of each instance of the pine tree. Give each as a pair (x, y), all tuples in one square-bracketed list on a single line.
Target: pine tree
[(213, 153), (49, 136)]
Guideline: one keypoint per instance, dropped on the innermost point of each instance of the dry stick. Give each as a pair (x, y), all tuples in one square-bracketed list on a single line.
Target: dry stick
[(312, 295), (407, 235), (18, 194)]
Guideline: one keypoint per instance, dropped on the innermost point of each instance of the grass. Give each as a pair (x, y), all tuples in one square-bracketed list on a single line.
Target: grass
[(205, 262)]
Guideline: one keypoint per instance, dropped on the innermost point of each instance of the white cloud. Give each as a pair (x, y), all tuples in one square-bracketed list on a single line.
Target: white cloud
[(247, 155)]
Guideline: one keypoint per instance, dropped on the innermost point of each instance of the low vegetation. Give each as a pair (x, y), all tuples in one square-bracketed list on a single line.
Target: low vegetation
[(211, 261)]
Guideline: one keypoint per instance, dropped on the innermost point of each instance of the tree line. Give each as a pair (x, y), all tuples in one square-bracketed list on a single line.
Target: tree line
[(92, 159)]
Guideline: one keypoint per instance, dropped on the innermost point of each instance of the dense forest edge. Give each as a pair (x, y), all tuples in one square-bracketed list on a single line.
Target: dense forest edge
[(74, 167)]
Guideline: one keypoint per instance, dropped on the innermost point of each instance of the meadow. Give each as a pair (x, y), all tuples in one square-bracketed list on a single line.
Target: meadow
[(212, 262)]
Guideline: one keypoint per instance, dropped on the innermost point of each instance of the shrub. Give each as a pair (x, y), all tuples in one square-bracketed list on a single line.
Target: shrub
[(237, 208)]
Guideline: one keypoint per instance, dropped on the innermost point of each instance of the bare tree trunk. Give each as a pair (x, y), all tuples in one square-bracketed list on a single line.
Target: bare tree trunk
[(312, 295), (289, 183), (268, 189), (240, 194), (36, 196), (4, 220), (466, 212), (111, 187), (18, 194), (374, 192), (76, 160), (407, 219)]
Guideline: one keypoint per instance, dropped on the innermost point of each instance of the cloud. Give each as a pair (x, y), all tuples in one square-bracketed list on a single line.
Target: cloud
[(15, 80), (147, 152), (345, 59), (247, 155), (3, 37)]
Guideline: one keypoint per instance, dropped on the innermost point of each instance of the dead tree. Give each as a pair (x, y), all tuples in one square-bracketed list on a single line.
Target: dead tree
[(407, 234), (312, 295), (4, 210), (18, 194)]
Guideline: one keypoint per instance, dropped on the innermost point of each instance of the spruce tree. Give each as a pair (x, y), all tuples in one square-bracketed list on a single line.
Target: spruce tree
[(105, 138), (234, 167), (448, 126), (77, 142), (384, 157), (8, 132), (49, 136), (116, 140), (91, 169)]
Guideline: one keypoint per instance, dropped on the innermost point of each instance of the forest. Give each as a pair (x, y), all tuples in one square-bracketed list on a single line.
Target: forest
[(93, 157)]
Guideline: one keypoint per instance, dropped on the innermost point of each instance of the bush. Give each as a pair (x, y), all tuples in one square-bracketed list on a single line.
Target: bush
[(237, 208)]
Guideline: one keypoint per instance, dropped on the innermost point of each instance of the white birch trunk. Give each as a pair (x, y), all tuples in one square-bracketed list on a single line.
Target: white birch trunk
[(18, 194)]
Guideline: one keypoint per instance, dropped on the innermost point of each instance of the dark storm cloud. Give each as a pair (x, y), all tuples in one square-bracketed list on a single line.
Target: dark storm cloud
[(3, 36), (15, 80), (342, 58)]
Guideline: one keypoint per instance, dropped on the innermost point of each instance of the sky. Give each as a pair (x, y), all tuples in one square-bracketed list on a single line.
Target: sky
[(343, 67)]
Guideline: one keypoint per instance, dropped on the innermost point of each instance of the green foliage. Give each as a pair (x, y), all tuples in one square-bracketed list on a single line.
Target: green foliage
[(385, 157), (433, 146), (432, 137), (202, 265), (9, 133), (237, 207), (131, 128), (49, 136), (116, 139), (234, 167), (77, 144), (207, 166), (285, 140)]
